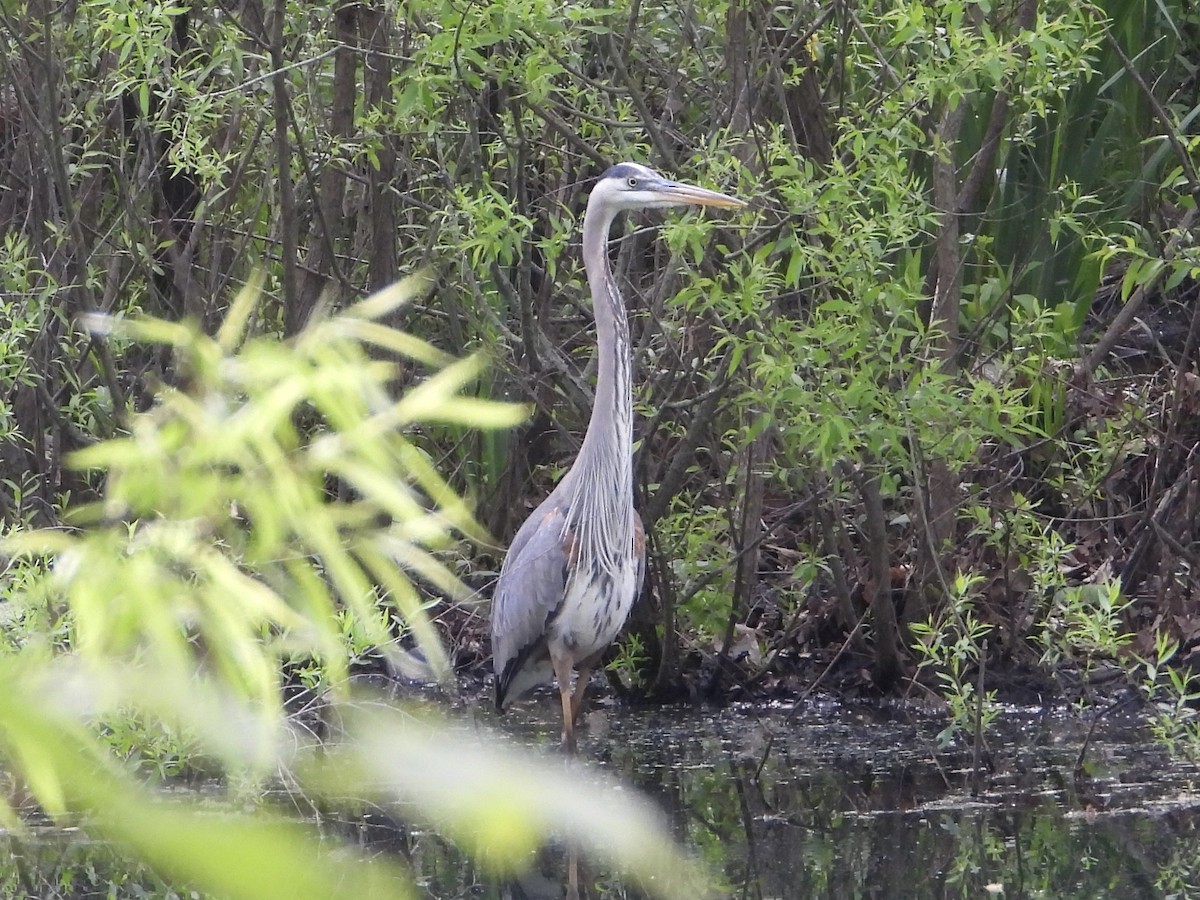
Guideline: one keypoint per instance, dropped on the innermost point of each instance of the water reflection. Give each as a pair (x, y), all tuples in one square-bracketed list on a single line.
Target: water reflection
[(858, 804), (848, 803)]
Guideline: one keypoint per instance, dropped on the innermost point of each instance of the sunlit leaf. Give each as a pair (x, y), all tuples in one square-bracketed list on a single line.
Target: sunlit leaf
[(499, 802), (211, 847)]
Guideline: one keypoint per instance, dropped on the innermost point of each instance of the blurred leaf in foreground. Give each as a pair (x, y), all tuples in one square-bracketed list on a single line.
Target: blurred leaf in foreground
[(203, 844), (280, 483), (279, 492), (499, 802)]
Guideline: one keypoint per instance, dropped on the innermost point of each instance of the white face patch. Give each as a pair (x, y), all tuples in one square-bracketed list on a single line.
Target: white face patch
[(628, 186)]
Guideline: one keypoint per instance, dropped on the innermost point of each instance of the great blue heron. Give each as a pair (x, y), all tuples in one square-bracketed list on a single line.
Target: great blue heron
[(574, 568)]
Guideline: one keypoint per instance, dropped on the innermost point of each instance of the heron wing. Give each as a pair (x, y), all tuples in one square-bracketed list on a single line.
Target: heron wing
[(529, 592)]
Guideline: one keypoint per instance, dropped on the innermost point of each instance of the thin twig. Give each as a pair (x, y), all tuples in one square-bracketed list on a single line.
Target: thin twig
[(279, 71), (808, 691), (977, 751), (1087, 740)]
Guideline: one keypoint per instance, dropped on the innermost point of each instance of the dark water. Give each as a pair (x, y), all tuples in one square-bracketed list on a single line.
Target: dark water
[(830, 802), (825, 802)]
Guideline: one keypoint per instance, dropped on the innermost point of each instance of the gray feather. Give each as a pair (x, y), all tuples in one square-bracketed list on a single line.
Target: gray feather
[(531, 588)]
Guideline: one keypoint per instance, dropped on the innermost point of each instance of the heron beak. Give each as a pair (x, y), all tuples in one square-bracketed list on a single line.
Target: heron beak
[(677, 192)]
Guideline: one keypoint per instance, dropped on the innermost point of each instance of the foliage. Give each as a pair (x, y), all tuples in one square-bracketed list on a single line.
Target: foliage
[(630, 662), (268, 508), (698, 540), (953, 648), (210, 487), (1173, 694), (952, 204)]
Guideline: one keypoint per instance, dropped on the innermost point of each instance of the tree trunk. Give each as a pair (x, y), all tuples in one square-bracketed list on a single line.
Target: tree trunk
[(938, 498), (383, 263), (329, 225)]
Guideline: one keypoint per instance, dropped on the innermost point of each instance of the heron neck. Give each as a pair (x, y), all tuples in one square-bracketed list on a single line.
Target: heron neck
[(606, 453)]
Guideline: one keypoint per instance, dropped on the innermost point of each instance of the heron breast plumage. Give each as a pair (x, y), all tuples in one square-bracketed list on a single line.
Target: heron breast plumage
[(595, 605)]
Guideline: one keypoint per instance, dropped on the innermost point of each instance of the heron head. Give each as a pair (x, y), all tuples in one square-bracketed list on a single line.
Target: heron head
[(628, 185)]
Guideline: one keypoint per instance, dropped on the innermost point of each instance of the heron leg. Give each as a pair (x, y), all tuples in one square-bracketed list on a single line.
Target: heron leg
[(562, 672), (573, 872), (581, 683)]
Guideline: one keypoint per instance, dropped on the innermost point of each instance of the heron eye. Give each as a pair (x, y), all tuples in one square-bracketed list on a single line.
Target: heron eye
[(633, 182)]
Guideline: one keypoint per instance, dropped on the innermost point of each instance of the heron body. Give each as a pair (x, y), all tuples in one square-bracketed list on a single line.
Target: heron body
[(573, 569)]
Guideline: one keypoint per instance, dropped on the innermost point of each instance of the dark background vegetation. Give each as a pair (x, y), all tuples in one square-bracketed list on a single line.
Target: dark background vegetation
[(932, 402)]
